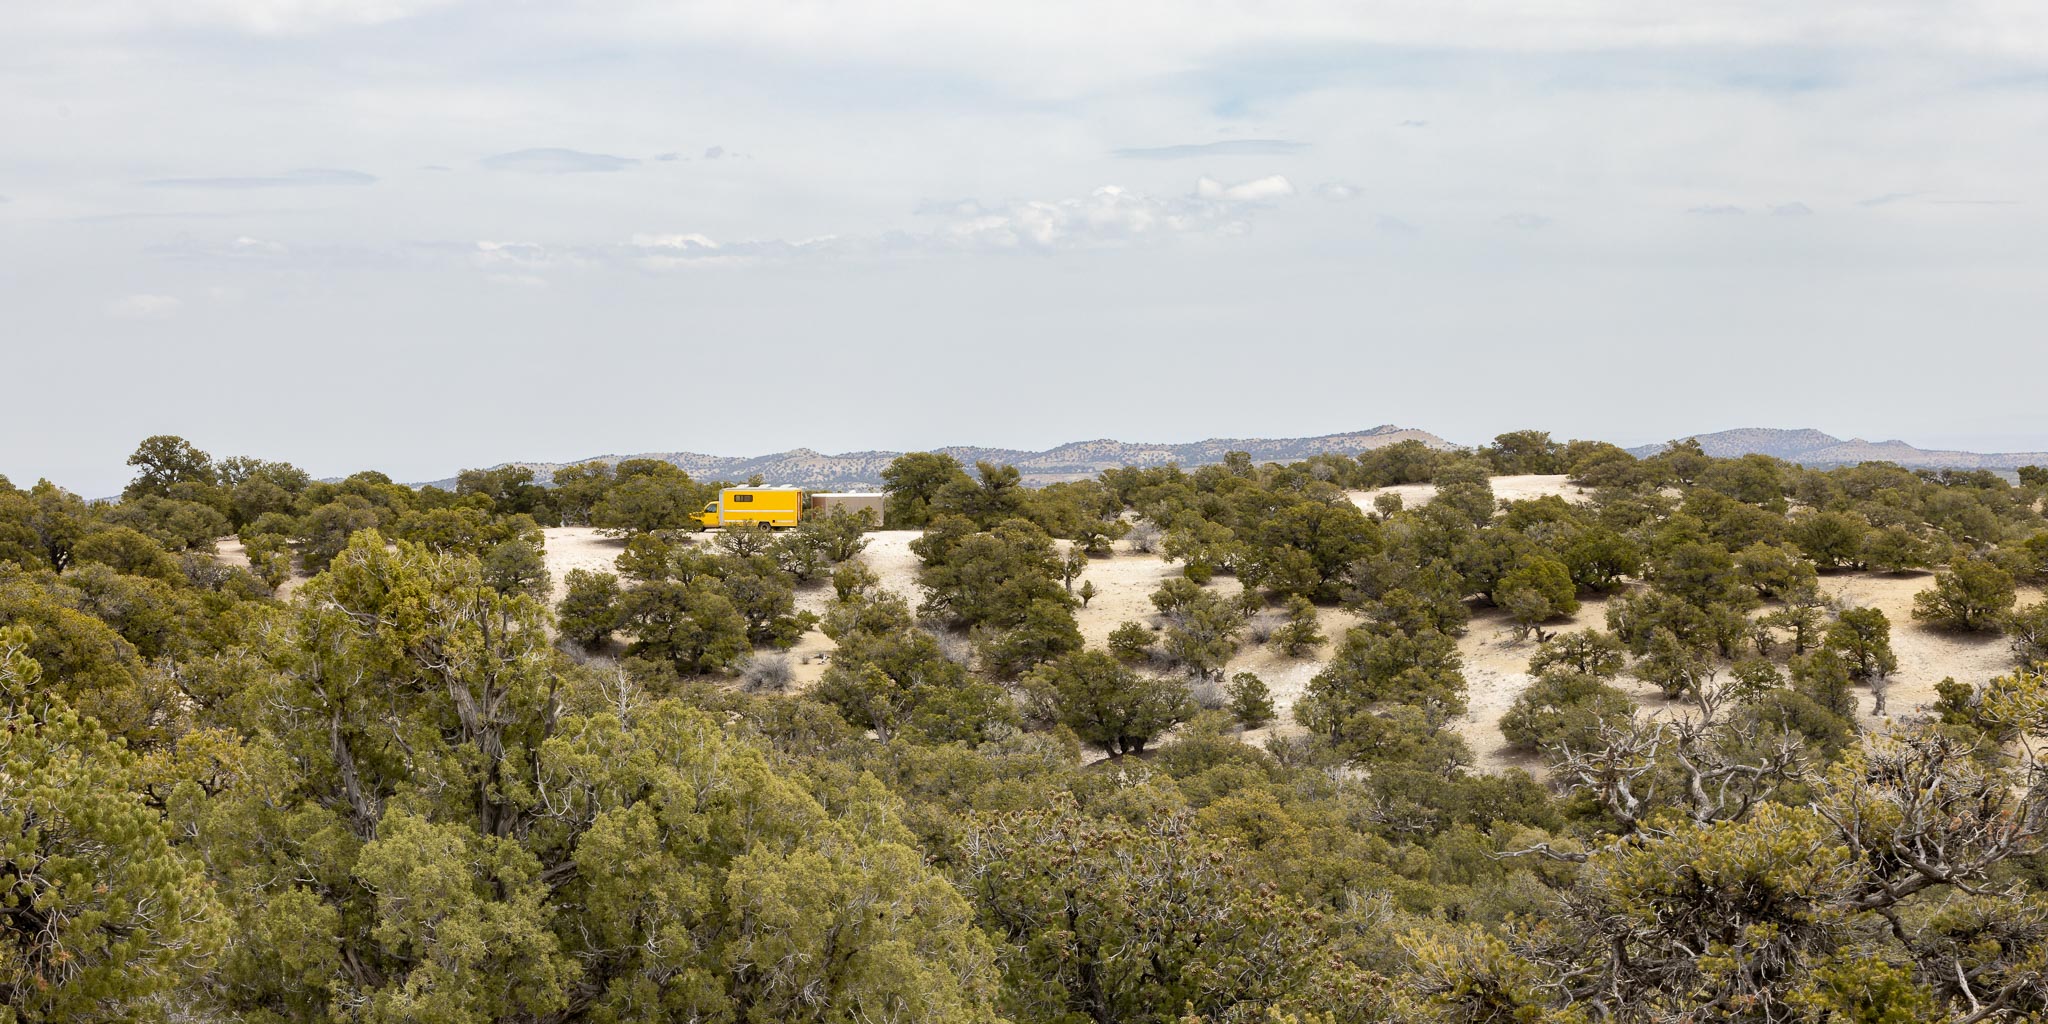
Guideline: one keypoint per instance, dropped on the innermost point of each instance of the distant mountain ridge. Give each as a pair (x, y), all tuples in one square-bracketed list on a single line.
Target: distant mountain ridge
[(1073, 461), (1810, 447)]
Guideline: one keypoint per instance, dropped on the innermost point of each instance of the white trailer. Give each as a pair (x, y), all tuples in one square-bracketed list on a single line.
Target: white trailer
[(853, 502)]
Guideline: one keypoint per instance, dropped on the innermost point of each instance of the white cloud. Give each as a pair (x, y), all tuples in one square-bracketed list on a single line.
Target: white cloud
[(1612, 116), (690, 249), (521, 257), (555, 160), (524, 281), (981, 33), (1105, 216), (144, 306), (688, 241), (1273, 186), (1035, 47), (1526, 221), (1792, 210), (1228, 147), (247, 246), (1338, 191), (240, 249), (257, 17), (312, 177), (1108, 217)]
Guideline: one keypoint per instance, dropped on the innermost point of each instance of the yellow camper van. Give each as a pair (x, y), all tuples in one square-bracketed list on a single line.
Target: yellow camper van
[(754, 506)]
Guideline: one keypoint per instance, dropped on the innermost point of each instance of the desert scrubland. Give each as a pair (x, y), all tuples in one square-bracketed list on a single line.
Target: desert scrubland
[(1410, 733)]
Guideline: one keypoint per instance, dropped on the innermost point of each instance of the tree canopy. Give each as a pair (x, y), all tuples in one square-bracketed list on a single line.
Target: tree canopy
[(394, 769)]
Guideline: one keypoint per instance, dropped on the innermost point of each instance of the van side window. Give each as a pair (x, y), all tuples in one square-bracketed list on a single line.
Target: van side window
[(742, 497)]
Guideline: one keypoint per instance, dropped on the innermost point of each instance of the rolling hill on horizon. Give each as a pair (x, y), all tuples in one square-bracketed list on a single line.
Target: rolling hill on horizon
[(1075, 460), (1072, 461), (1810, 447)]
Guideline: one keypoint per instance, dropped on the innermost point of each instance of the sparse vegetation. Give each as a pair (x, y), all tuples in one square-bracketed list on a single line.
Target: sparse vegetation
[(435, 780), (1972, 594), (1251, 703)]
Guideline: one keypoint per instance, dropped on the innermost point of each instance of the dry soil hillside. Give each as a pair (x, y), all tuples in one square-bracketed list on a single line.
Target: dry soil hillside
[(1074, 460), (1496, 659), (1505, 488), (1813, 448)]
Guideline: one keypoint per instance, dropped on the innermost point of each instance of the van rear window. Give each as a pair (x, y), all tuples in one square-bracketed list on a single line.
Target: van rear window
[(742, 497)]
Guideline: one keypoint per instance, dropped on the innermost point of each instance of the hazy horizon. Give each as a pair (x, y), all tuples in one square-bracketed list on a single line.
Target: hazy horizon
[(112, 473), (418, 235)]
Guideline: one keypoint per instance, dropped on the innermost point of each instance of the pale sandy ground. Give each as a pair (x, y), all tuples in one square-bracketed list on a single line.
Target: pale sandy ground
[(1497, 664), (807, 659), (888, 554), (1926, 655), (577, 547), (1287, 678), (568, 547), (1124, 583), (231, 551), (1505, 488), (1496, 660), (1497, 671)]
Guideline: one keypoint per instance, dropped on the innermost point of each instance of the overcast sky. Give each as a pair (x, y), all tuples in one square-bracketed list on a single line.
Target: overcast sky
[(418, 235)]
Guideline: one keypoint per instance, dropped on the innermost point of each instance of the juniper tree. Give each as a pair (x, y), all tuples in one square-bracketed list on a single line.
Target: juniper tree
[(1109, 705), (1862, 638), (1971, 594)]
